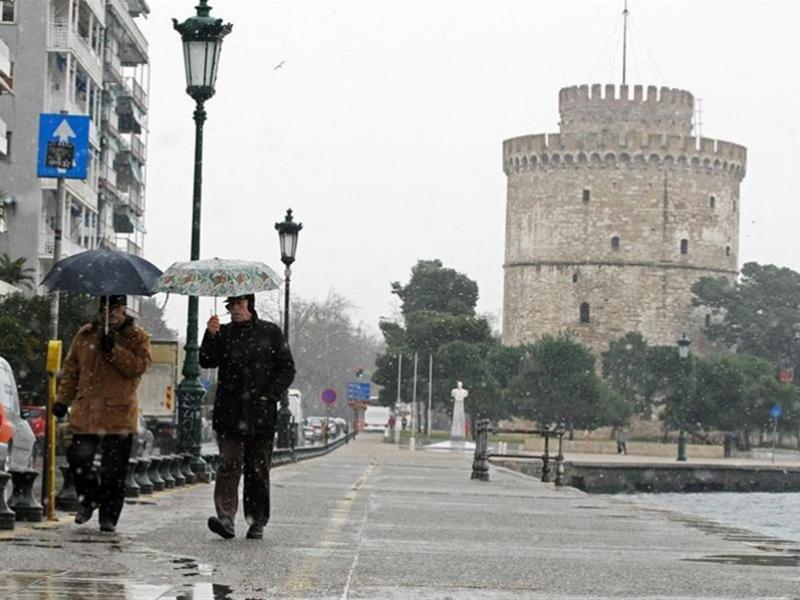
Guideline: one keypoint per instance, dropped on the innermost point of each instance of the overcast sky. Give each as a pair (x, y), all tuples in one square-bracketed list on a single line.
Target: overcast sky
[(382, 128)]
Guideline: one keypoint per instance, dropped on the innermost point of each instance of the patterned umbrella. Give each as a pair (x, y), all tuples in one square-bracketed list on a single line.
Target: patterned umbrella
[(218, 277)]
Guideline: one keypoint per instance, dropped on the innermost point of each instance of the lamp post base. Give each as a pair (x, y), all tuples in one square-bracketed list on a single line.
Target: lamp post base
[(190, 399), (284, 417), (682, 446)]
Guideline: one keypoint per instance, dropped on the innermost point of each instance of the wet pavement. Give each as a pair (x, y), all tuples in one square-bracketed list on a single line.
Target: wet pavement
[(374, 520)]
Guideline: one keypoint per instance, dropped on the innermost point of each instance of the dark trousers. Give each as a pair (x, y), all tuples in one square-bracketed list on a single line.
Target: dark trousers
[(104, 490), (253, 456)]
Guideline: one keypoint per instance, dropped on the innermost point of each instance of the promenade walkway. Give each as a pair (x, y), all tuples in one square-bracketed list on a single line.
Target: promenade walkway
[(374, 520)]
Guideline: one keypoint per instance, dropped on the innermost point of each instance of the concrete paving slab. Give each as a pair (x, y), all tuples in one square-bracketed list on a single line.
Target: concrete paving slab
[(374, 520)]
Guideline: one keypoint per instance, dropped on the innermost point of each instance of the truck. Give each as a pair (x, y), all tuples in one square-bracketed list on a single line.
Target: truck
[(156, 393), (376, 418)]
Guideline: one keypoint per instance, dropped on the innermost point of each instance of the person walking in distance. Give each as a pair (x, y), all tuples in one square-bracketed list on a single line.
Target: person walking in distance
[(255, 369), (104, 365)]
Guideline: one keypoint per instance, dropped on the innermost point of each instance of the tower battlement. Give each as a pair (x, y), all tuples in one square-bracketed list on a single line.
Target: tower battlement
[(633, 149), (610, 107)]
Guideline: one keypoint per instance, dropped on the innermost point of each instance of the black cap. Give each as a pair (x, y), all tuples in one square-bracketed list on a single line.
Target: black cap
[(113, 301)]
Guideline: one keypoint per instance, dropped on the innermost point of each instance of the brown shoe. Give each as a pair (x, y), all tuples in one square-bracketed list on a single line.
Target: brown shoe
[(256, 532)]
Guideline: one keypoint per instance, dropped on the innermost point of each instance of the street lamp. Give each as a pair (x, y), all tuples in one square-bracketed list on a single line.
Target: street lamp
[(683, 354), (288, 232), (202, 38)]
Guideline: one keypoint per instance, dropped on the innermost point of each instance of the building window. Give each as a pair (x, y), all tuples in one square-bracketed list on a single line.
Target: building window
[(708, 320), (7, 11), (712, 202), (574, 278), (585, 312), (586, 195), (615, 243), (684, 246), (727, 250)]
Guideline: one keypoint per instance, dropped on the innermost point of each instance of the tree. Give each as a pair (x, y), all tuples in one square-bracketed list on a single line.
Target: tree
[(625, 368), (760, 313), (435, 288), (557, 384), (14, 271), (151, 318)]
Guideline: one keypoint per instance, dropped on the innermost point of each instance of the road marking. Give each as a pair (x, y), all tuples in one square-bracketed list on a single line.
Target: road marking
[(299, 580)]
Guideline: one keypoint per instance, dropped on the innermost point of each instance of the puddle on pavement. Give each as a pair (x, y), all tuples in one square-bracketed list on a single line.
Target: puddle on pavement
[(752, 560), (192, 565), (47, 584)]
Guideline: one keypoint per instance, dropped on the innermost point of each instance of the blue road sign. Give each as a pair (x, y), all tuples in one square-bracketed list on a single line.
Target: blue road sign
[(63, 146), (358, 390), (776, 411)]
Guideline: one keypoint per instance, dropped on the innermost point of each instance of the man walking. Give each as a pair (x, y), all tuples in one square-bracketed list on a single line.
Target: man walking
[(255, 370), (101, 373)]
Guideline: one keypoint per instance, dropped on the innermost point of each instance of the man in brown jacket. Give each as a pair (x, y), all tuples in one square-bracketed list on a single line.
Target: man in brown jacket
[(99, 381)]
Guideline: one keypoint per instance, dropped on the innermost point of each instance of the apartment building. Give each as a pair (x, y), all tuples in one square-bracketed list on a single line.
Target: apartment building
[(85, 57)]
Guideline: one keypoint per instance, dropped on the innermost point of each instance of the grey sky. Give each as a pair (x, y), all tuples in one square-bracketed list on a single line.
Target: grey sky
[(383, 127)]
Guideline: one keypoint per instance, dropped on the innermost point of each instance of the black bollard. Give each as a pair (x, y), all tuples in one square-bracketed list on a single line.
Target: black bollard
[(67, 497), (131, 487), (23, 502), (140, 475), (175, 470), (7, 516), (186, 468), (480, 463), (154, 473), (212, 471), (166, 472)]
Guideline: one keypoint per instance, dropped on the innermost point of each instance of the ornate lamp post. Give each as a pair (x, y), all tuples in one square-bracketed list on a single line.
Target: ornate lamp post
[(288, 232), (202, 38), (683, 354)]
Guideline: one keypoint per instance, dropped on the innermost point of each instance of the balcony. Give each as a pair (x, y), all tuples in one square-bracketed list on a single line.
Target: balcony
[(130, 118), (112, 67), (110, 121), (108, 180), (132, 248), (133, 50), (6, 82), (135, 92), (124, 219), (138, 149), (62, 38)]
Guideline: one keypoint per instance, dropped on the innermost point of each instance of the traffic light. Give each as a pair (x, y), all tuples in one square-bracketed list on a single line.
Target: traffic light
[(360, 373)]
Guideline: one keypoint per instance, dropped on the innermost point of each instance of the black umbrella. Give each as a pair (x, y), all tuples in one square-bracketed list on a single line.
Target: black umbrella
[(103, 272)]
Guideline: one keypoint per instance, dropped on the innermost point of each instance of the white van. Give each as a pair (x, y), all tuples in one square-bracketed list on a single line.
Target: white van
[(376, 418)]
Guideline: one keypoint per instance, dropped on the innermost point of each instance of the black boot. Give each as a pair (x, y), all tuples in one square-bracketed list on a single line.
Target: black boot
[(222, 526)]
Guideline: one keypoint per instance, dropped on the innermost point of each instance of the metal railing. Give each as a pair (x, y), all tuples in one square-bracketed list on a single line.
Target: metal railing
[(282, 456), (480, 464), (136, 92)]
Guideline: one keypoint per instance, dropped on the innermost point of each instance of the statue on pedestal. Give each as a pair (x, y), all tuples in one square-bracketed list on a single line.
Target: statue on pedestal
[(458, 394)]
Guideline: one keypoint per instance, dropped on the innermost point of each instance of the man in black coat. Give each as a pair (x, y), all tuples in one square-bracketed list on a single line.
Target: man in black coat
[(255, 370)]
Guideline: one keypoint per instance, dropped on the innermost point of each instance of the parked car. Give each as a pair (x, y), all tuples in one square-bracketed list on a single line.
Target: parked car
[(16, 436), (312, 429)]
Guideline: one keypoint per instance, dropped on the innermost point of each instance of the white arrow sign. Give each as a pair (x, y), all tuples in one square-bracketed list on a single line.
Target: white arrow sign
[(63, 132)]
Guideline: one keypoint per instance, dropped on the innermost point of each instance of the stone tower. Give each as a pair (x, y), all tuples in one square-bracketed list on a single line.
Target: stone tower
[(611, 221)]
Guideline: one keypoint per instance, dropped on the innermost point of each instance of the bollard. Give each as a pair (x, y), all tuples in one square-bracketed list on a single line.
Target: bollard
[(140, 475), (480, 463), (175, 470), (131, 487), (23, 502), (212, 471), (7, 516), (560, 462), (166, 472), (546, 458), (186, 468), (154, 473), (67, 498)]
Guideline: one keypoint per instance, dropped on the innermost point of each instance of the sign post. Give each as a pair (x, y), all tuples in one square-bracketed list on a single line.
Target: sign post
[(775, 412), (63, 153), (328, 398)]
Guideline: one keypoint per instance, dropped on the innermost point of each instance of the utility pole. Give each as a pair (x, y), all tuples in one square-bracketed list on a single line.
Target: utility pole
[(414, 397), (430, 391)]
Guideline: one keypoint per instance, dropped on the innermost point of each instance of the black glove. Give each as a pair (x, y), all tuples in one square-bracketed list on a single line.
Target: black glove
[(59, 410), (106, 343)]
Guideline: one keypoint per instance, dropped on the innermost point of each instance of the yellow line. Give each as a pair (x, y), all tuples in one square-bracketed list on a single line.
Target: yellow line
[(299, 580)]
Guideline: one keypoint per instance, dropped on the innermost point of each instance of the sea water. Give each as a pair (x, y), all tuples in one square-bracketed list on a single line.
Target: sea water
[(777, 515)]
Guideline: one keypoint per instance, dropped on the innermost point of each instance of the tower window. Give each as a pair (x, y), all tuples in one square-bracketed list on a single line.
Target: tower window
[(727, 250), (574, 278), (708, 320), (712, 202), (684, 246), (585, 312), (6, 11), (586, 195), (615, 243)]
